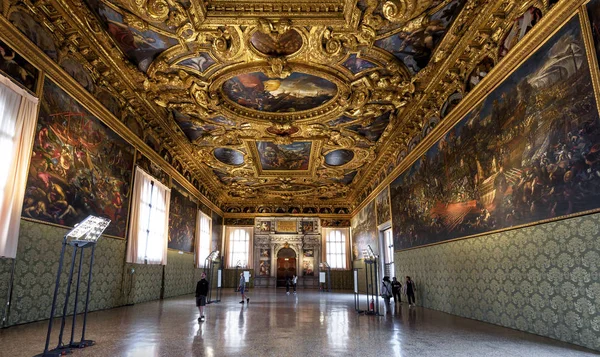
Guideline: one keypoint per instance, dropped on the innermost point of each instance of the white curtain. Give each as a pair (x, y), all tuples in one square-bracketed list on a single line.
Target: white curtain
[(239, 246), (18, 117), (336, 247), (203, 238), (149, 221)]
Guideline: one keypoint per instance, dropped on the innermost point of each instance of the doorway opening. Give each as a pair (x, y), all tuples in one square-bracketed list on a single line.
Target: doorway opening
[(286, 265)]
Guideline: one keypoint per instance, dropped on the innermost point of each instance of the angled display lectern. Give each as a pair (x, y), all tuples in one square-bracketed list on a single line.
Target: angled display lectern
[(84, 235)]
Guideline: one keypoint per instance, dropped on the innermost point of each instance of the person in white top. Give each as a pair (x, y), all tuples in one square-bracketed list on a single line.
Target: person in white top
[(294, 282)]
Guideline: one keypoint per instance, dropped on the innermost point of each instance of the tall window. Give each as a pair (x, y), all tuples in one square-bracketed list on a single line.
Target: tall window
[(336, 241), (388, 252), (238, 245), (204, 238), (18, 116), (148, 235)]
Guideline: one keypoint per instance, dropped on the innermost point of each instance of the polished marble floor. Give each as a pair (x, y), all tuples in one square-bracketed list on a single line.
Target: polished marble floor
[(275, 324)]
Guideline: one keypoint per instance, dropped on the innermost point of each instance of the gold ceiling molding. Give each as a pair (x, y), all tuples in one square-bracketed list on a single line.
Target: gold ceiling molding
[(333, 107)]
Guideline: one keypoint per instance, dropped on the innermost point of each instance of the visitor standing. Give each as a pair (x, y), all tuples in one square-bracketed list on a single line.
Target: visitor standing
[(243, 288), (294, 282), (409, 289), (396, 290), (386, 289), (201, 293)]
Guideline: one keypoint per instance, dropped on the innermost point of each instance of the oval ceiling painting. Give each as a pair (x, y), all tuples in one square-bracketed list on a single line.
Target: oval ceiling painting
[(299, 91), (287, 43), (229, 156), (339, 157)]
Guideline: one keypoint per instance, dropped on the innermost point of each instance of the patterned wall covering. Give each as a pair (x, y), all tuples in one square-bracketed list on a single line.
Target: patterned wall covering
[(35, 273), (179, 274), (147, 282), (5, 269), (541, 279)]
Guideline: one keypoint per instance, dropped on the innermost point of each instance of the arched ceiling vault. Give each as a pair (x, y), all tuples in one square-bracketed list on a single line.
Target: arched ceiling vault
[(279, 102)]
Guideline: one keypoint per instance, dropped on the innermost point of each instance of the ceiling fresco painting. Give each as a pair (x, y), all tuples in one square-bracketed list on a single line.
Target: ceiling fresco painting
[(308, 110), (199, 63), (521, 26), (140, 46), (295, 156), (299, 91), (357, 65), (415, 47)]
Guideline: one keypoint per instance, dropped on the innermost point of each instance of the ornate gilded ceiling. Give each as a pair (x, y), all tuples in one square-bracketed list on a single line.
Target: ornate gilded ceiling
[(303, 104)]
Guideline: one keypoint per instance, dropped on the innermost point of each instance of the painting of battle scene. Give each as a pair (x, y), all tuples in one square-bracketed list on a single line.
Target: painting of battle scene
[(299, 91), (294, 156), (217, 231), (17, 67), (529, 152), (79, 167), (182, 219), (382, 204), (141, 47), (151, 168), (414, 48), (364, 231)]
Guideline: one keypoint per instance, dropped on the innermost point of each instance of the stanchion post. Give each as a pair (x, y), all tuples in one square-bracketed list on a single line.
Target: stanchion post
[(84, 342)]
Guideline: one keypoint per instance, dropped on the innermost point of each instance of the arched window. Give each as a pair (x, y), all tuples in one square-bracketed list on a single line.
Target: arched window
[(239, 247), (336, 243)]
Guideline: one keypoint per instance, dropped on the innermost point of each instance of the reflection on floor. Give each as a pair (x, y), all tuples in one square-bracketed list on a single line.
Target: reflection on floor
[(275, 324)]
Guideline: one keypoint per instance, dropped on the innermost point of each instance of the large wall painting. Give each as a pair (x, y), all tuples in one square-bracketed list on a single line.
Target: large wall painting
[(382, 205), (414, 48), (294, 156), (79, 167), (17, 67), (182, 219), (217, 231), (299, 91), (529, 152), (364, 231)]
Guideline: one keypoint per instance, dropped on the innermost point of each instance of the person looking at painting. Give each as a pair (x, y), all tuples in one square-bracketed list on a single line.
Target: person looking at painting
[(396, 287), (201, 293), (242, 288), (409, 289)]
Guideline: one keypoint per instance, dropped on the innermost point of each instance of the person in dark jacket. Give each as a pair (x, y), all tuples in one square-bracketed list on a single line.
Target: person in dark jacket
[(396, 287), (201, 292)]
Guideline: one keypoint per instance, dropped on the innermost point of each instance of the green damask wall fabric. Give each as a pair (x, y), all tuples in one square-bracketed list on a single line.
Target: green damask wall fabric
[(179, 274), (5, 269), (35, 273), (147, 282), (542, 279)]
